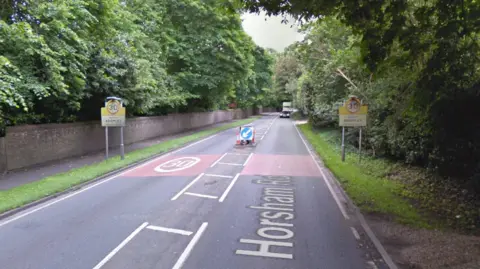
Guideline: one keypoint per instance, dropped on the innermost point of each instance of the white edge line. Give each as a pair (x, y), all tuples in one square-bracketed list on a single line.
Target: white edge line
[(248, 159), (224, 195), (372, 265), (215, 175), (201, 195), (186, 187), (103, 181), (355, 233), (190, 246), (232, 164), (335, 197), (120, 246), (213, 164), (388, 260), (169, 230)]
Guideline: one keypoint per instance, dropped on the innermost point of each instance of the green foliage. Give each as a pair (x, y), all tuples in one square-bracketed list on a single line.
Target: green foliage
[(420, 96), (59, 60), (366, 184)]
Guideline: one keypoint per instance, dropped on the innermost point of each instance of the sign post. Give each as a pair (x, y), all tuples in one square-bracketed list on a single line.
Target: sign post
[(113, 115), (352, 114)]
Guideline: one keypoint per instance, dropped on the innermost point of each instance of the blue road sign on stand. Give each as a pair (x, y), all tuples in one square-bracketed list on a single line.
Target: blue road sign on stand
[(246, 133)]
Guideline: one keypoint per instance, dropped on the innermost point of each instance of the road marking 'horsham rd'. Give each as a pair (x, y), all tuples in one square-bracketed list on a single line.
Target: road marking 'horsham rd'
[(279, 206)]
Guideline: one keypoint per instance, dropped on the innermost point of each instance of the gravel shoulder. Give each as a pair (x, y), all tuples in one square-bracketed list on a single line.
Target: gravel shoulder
[(413, 248)]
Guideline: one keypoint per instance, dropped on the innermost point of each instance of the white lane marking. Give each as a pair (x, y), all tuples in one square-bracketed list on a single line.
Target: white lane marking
[(335, 197), (213, 164), (190, 246), (355, 233), (224, 195), (268, 129), (177, 164), (104, 181), (232, 164), (169, 230), (215, 175), (119, 247), (186, 187), (248, 159), (201, 195)]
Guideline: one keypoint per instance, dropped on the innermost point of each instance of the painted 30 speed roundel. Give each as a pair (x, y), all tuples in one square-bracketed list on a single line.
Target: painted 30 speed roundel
[(177, 164)]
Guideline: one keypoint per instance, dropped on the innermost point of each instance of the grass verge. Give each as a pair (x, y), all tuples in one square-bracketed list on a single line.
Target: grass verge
[(21, 195), (364, 180)]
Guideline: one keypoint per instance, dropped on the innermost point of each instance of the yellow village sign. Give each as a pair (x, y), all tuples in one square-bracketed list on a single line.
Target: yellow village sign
[(353, 113)]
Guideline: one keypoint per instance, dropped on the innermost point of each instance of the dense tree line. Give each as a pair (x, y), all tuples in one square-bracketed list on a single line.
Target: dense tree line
[(59, 59), (415, 63)]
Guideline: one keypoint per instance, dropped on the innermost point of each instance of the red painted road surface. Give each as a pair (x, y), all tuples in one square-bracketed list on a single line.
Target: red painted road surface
[(281, 165), (259, 164), (175, 164)]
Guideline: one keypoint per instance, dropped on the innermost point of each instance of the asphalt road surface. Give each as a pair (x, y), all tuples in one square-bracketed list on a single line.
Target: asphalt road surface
[(211, 205)]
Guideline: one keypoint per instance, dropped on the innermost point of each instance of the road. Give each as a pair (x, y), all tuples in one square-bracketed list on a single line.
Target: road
[(210, 205)]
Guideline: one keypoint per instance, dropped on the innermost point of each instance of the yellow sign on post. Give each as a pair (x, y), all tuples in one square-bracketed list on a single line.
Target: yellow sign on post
[(113, 114), (353, 113)]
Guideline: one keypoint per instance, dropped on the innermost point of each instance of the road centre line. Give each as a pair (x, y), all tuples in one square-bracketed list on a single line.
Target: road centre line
[(335, 197), (215, 175), (248, 159), (224, 195), (232, 164), (190, 246), (201, 195), (105, 180), (120, 246), (213, 164), (169, 230), (268, 129), (186, 187)]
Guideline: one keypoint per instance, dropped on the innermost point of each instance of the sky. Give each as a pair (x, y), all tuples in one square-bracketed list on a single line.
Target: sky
[(270, 33)]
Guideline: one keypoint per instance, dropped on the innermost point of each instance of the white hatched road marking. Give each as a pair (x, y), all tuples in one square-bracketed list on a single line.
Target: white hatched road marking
[(186, 187), (213, 164), (224, 195), (190, 246), (232, 164), (214, 175), (201, 195), (120, 246), (169, 230), (248, 159)]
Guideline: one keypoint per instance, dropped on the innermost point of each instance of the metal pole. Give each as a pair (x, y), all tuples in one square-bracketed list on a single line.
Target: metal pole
[(106, 143), (122, 148), (360, 144), (343, 144)]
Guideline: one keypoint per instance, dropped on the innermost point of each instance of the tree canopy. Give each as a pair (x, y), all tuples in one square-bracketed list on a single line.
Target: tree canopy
[(59, 59), (415, 63)]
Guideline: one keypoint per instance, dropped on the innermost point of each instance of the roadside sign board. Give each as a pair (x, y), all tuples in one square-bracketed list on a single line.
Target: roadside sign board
[(353, 113), (246, 133), (113, 114)]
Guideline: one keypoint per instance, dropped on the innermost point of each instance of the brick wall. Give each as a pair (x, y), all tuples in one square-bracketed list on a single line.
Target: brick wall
[(3, 156), (35, 144)]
